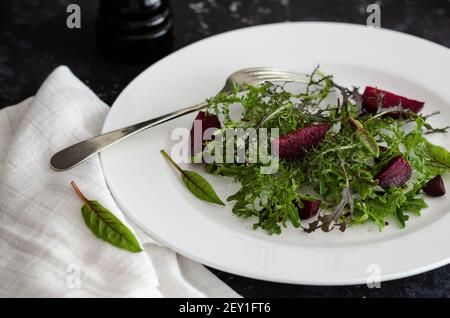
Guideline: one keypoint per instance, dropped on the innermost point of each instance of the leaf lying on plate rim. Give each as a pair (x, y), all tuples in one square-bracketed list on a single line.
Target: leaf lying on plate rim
[(198, 185), (105, 225), (365, 138)]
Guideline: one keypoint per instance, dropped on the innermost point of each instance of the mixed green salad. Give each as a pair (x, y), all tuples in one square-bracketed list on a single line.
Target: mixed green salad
[(344, 160)]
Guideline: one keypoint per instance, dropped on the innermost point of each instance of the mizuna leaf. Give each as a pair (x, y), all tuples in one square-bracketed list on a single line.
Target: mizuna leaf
[(401, 218), (365, 138), (105, 225), (293, 214), (198, 185)]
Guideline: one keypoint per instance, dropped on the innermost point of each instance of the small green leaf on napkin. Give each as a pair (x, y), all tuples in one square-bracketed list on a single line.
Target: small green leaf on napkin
[(198, 185), (365, 138), (105, 225)]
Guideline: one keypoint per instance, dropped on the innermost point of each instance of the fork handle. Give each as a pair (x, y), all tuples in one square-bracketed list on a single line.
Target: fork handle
[(74, 155)]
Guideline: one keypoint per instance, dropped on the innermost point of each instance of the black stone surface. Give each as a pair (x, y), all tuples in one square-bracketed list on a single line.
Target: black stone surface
[(34, 40)]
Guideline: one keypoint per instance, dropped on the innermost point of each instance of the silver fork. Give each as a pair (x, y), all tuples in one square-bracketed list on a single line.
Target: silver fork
[(78, 153)]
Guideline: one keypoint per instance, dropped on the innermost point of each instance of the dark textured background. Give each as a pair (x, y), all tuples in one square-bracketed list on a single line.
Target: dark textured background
[(34, 40)]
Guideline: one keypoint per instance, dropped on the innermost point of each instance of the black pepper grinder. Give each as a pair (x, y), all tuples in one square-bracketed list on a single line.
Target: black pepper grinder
[(135, 30), (5, 12)]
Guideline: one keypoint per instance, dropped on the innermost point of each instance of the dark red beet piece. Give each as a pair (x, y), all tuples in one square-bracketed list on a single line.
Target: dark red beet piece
[(310, 208), (396, 173), (435, 187), (383, 148), (207, 121), (371, 97), (294, 145)]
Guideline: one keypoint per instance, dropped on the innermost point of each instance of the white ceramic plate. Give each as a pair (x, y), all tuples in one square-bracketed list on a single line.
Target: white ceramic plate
[(151, 193)]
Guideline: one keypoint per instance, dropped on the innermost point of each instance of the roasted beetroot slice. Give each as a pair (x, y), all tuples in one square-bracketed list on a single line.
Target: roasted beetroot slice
[(396, 173), (310, 208), (373, 96), (435, 187), (207, 121), (383, 148), (294, 145)]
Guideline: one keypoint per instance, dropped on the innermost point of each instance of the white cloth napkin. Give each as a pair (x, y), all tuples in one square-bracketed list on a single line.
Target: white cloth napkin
[(46, 250)]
